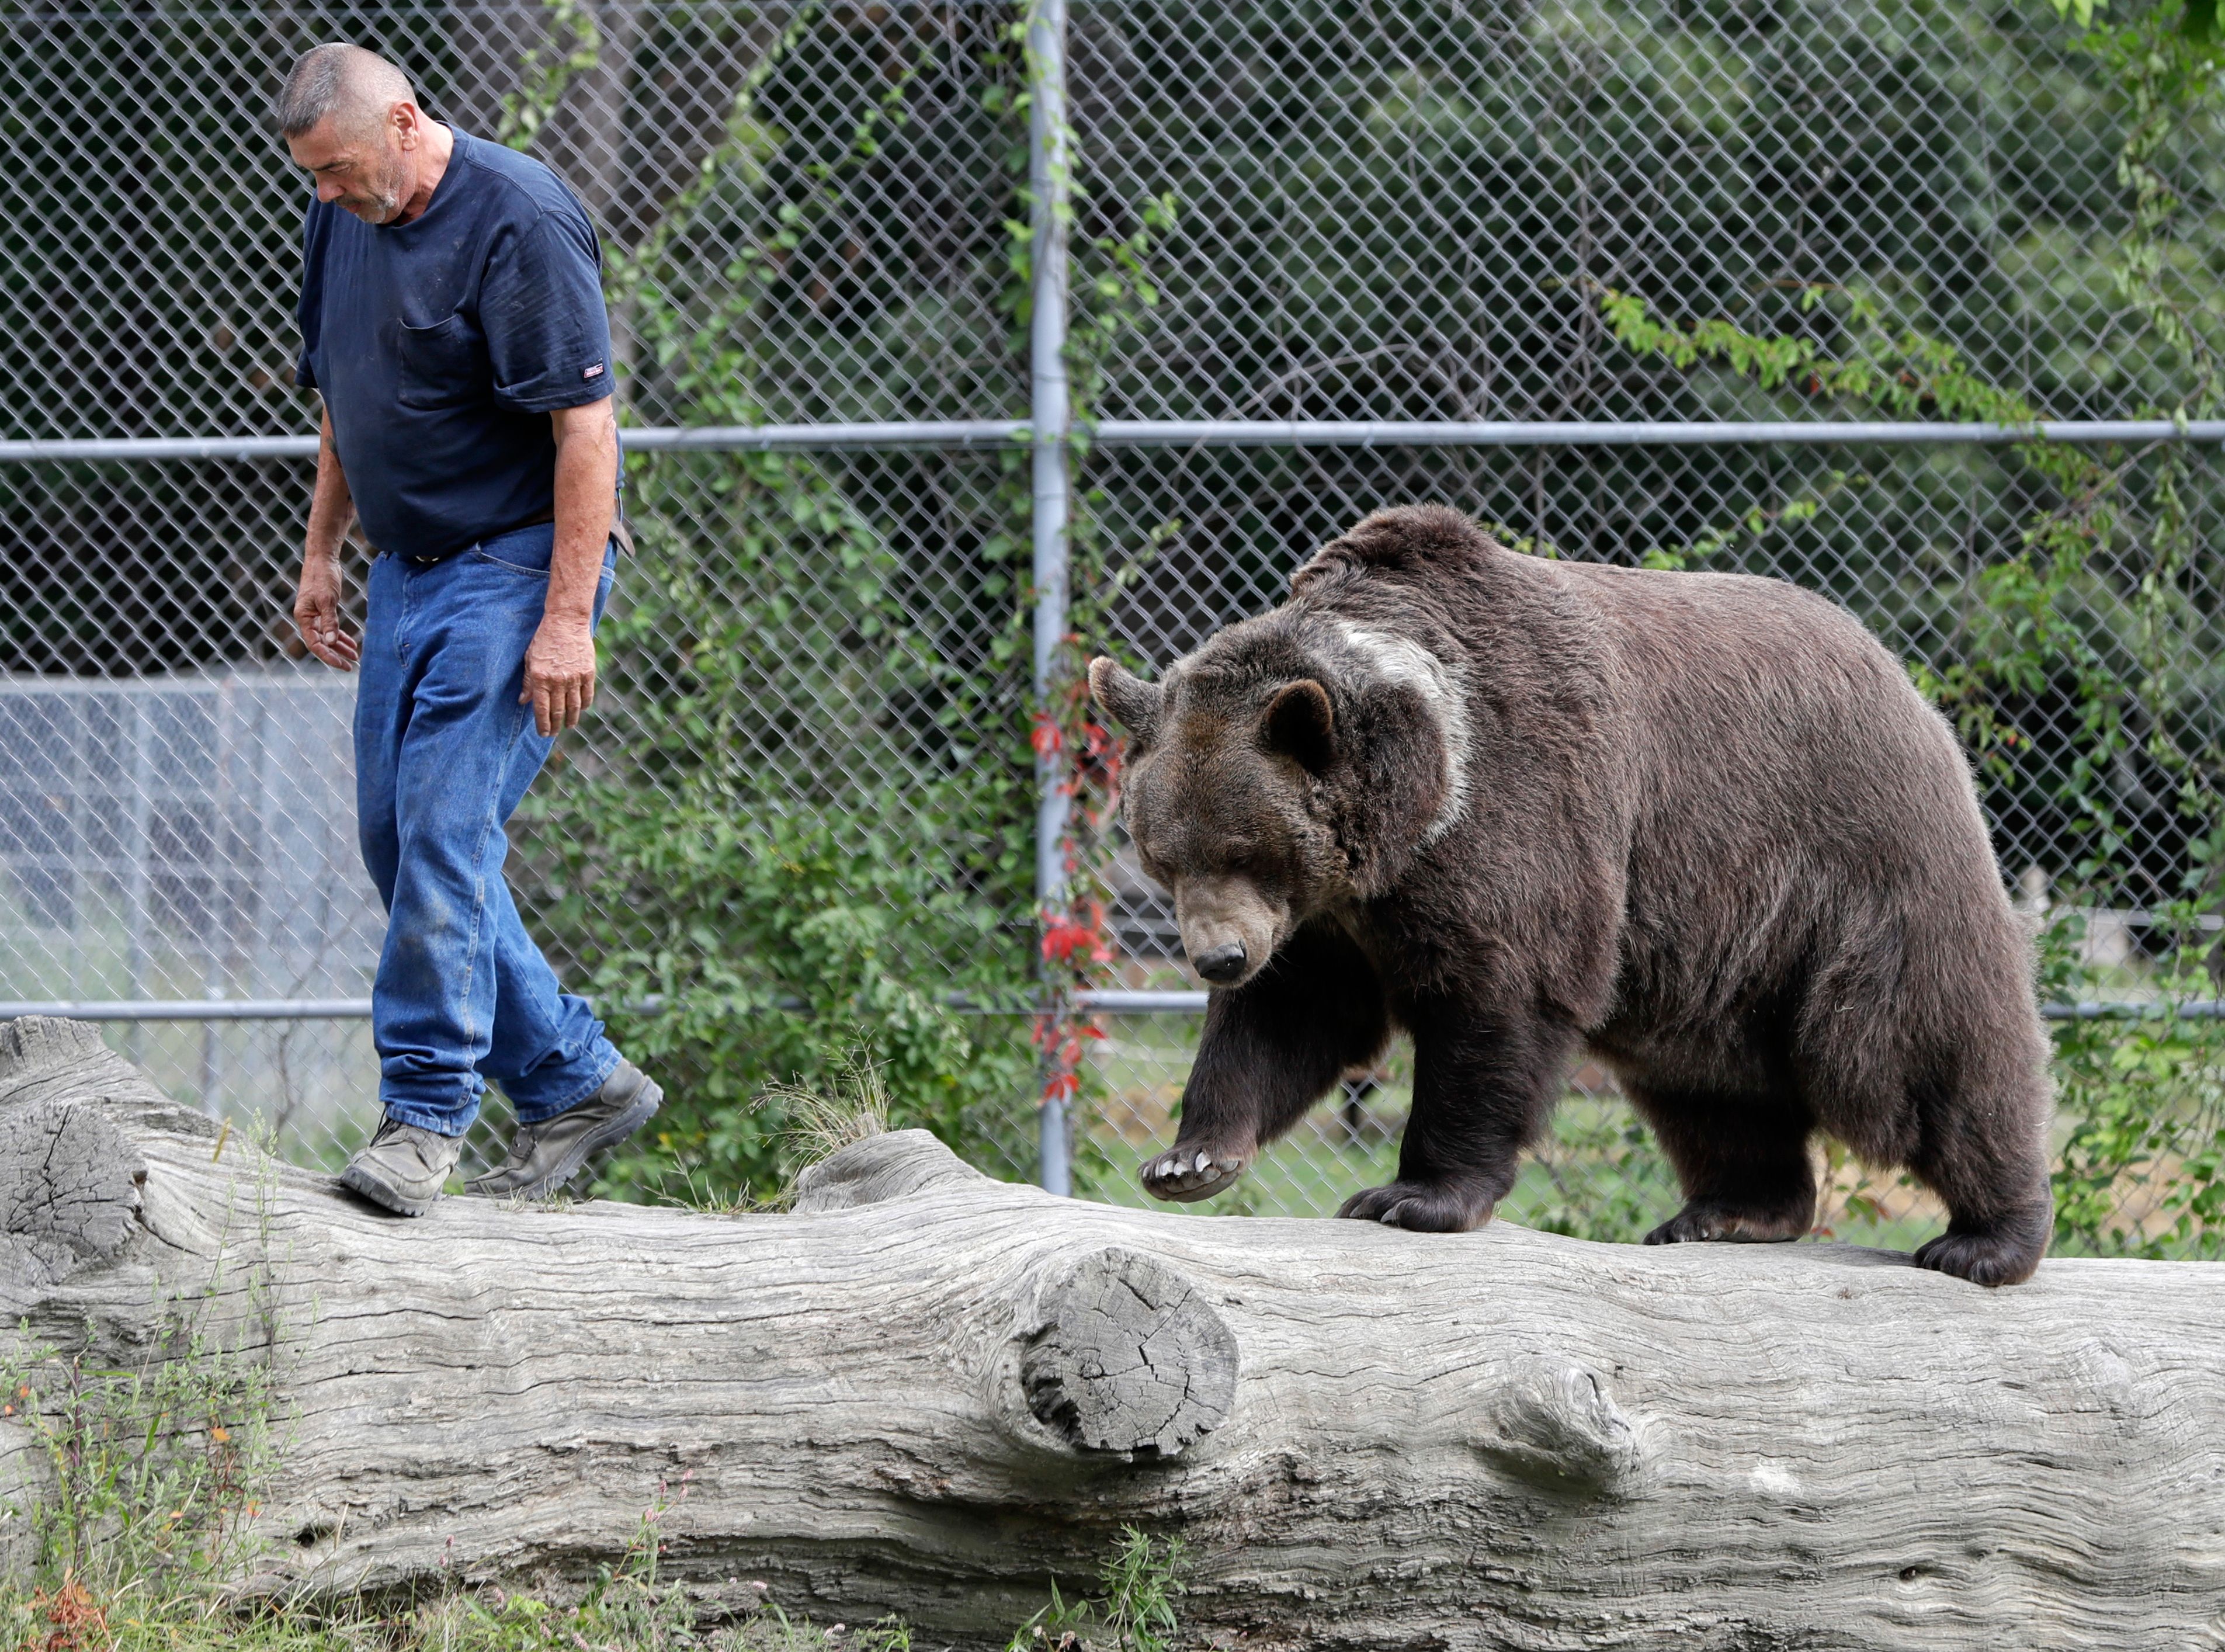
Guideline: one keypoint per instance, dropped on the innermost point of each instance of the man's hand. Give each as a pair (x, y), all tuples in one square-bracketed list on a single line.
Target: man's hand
[(317, 602), (317, 612), (559, 667), (560, 672)]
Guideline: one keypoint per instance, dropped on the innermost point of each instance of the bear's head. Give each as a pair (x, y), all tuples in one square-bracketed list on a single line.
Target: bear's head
[(1222, 797)]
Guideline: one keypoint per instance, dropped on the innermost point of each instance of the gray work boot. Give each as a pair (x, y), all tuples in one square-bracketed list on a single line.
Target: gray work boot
[(403, 1167), (544, 1156)]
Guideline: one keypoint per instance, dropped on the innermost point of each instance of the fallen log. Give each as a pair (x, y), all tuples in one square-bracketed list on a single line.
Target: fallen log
[(928, 1393)]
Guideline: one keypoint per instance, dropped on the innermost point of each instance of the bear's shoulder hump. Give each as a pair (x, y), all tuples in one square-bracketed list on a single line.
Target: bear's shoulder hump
[(1405, 538)]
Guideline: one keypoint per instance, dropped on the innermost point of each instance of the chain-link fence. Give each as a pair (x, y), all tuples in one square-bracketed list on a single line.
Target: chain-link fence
[(808, 801)]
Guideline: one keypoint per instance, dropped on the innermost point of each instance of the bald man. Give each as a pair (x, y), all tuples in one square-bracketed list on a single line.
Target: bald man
[(452, 319)]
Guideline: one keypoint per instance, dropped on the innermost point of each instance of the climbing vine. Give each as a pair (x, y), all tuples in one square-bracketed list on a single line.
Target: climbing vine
[(548, 69), (1112, 289)]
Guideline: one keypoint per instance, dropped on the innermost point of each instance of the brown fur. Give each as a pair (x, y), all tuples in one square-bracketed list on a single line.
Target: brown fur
[(1709, 834)]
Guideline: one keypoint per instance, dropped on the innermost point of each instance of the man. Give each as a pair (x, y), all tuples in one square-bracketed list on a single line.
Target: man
[(452, 318)]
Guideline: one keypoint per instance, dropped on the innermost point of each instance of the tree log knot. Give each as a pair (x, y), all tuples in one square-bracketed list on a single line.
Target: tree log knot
[(1554, 1424), (1124, 1354), (894, 1164)]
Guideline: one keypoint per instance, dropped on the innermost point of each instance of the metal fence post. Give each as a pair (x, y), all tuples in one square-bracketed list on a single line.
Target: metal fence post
[(1049, 182), (138, 815)]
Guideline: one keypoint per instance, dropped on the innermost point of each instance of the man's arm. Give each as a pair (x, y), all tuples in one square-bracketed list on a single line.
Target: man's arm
[(559, 666), (317, 602)]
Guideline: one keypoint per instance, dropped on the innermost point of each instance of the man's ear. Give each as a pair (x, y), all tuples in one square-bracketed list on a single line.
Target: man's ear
[(1300, 725), (1126, 698)]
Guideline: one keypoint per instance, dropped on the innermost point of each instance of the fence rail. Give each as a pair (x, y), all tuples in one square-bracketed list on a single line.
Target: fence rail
[(946, 351), (936, 435)]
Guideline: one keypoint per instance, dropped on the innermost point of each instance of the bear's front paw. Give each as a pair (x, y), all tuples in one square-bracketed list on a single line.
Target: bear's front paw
[(1187, 1174), (1421, 1206), (1719, 1224)]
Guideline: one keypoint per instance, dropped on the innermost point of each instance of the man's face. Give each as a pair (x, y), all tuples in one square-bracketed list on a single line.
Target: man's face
[(365, 170)]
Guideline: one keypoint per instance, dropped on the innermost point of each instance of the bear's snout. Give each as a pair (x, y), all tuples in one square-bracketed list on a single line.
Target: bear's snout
[(1222, 964), (1230, 926)]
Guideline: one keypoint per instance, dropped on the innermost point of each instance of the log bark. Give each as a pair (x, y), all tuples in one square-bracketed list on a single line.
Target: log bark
[(928, 1393)]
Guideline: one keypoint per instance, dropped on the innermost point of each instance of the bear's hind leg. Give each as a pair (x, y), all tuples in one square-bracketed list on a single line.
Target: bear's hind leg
[(1946, 1075), (1744, 1165), (2000, 1211)]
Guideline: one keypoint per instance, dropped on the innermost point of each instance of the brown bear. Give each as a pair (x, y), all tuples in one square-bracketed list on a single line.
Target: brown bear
[(1699, 824)]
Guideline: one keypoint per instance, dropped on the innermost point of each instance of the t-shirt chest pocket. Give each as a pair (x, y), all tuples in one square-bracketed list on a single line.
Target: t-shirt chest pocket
[(440, 364)]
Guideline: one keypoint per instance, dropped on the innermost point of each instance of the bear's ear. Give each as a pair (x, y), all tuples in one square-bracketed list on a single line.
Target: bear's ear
[(1300, 725), (1126, 698)]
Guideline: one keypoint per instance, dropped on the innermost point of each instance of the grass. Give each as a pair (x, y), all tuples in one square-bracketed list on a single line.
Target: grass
[(808, 1123), (629, 1608), (619, 1614), (816, 1124)]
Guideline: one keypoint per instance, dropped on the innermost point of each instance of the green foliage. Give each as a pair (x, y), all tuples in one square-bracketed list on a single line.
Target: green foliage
[(2199, 20), (155, 1465), (546, 73), (2143, 1170), (2140, 1170), (816, 832), (812, 838), (782, 853), (1141, 1580), (1601, 1177), (1900, 371), (744, 946)]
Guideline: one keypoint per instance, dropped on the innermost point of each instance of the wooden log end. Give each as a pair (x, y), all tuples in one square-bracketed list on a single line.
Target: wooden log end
[(70, 1182), (1126, 1356)]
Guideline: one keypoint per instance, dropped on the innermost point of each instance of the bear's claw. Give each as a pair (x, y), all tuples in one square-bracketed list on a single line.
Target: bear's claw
[(1419, 1207), (1187, 1174)]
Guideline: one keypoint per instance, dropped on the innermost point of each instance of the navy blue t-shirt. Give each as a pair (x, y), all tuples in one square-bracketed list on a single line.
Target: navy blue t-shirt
[(441, 346)]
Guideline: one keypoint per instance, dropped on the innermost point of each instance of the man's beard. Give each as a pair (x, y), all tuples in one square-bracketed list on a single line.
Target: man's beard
[(372, 208), (380, 199)]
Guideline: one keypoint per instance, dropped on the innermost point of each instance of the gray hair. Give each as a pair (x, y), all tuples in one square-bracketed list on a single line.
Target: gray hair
[(339, 78)]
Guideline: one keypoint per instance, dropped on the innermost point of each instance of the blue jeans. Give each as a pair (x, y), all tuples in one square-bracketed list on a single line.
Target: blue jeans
[(443, 754)]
